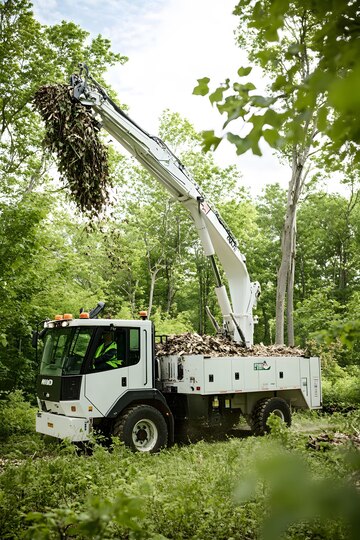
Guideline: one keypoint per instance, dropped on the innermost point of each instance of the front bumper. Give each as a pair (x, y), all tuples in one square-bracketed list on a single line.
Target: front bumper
[(63, 427)]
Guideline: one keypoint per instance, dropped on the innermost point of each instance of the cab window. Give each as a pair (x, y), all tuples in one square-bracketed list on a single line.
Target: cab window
[(64, 350), (116, 348)]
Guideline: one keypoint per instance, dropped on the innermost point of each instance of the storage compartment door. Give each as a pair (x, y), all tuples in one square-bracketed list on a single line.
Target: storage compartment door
[(288, 372), (217, 375)]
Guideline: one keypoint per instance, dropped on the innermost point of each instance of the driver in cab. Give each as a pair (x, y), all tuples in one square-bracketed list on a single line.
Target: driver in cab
[(106, 353)]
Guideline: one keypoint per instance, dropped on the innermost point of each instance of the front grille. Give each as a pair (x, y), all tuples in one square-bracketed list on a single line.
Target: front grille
[(70, 388)]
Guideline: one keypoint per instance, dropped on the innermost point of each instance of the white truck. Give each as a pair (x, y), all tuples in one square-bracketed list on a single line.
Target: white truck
[(143, 398)]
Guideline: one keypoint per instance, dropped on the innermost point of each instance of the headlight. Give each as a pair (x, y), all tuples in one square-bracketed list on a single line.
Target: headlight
[(64, 323)]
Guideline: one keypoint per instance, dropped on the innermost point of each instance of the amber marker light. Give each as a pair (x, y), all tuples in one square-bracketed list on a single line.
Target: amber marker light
[(84, 315), (67, 316), (59, 317)]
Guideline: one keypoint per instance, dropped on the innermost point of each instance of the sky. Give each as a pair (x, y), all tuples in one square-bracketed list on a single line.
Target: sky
[(170, 44)]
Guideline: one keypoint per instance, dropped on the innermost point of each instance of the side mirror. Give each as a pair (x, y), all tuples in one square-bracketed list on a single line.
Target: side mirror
[(35, 337)]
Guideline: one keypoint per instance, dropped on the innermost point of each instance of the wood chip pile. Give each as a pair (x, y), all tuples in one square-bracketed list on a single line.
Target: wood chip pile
[(190, 344), (326, 440), (72, 133)]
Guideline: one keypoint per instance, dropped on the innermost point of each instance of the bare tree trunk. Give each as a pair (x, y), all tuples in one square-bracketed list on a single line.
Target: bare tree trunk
[(130, 293), (153, 275), (153, 271), (171, 288), (290, 292), (286, 270)]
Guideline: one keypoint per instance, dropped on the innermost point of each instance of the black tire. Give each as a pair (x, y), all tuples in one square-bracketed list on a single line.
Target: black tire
[(262, 410), (142, 428)]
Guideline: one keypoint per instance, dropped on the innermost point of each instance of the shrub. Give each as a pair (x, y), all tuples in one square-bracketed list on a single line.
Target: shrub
[(341, 389), (16, 415)]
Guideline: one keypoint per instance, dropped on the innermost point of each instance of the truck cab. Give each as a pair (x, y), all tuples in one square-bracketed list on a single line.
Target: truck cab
[(79, 387)]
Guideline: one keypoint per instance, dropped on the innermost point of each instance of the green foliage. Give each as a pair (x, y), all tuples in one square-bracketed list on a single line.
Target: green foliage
[(340, 386), (17, 416), (174, 325), (235, 488), (97, 521), (308, 50), (298, 502)]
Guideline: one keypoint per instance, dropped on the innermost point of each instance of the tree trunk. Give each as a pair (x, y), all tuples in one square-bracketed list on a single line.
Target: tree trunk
[(267, 331), (290, 292), (286, 270), (171, 289), (153, 275)]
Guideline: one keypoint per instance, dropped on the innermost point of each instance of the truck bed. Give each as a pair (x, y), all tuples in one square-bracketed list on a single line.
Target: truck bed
[(204, 375)]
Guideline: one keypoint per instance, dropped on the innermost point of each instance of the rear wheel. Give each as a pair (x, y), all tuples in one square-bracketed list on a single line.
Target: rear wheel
[(142, 428), (262, 410)]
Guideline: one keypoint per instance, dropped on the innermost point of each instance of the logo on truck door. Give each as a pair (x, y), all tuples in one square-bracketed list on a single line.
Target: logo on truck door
[(261, 366)]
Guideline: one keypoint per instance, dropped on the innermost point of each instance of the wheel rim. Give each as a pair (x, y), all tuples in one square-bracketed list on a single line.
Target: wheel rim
[(144, 435), (279, 413)]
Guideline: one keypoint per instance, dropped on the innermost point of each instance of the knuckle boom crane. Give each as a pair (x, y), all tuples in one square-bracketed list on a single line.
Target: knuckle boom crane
[(216, 238)]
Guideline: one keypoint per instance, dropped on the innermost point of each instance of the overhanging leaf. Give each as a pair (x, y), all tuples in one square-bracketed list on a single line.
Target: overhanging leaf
[(210, 141), (202, 88)]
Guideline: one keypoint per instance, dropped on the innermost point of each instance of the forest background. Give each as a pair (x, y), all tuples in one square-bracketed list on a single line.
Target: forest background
[(142, 252), (302, 244)]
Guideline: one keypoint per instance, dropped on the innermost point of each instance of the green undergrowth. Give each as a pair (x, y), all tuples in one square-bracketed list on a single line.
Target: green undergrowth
[(341, 388), (240, 487)]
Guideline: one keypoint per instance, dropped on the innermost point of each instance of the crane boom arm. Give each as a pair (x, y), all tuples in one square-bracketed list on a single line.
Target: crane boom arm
[(215, 236)]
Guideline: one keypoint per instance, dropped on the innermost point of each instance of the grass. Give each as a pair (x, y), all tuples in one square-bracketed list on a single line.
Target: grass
[(241, 487)]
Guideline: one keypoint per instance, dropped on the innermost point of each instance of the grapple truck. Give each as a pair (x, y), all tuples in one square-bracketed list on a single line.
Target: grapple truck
[(143, 397)]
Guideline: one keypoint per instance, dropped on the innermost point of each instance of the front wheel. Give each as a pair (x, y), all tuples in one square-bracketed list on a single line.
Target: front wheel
[(262, 410), (142, 428)]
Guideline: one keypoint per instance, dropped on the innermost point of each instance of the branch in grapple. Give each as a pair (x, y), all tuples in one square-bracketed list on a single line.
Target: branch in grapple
[(72, 133)]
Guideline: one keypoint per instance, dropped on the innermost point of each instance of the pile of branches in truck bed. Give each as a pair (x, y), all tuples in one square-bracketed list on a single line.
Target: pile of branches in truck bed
[(72, 133), (190, 344)]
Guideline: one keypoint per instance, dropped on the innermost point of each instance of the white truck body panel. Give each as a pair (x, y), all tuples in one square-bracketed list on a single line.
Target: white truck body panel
[(202, 375), (315, 381)]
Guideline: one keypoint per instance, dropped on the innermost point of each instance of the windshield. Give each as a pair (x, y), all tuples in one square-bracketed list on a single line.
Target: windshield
[(64, 350)]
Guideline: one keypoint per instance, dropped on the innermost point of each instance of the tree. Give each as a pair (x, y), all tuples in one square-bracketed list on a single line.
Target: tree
[(32, 55), (289, 117)]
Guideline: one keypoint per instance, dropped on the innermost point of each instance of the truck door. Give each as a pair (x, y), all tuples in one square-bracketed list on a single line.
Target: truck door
[(113, 359), (140, 359)]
